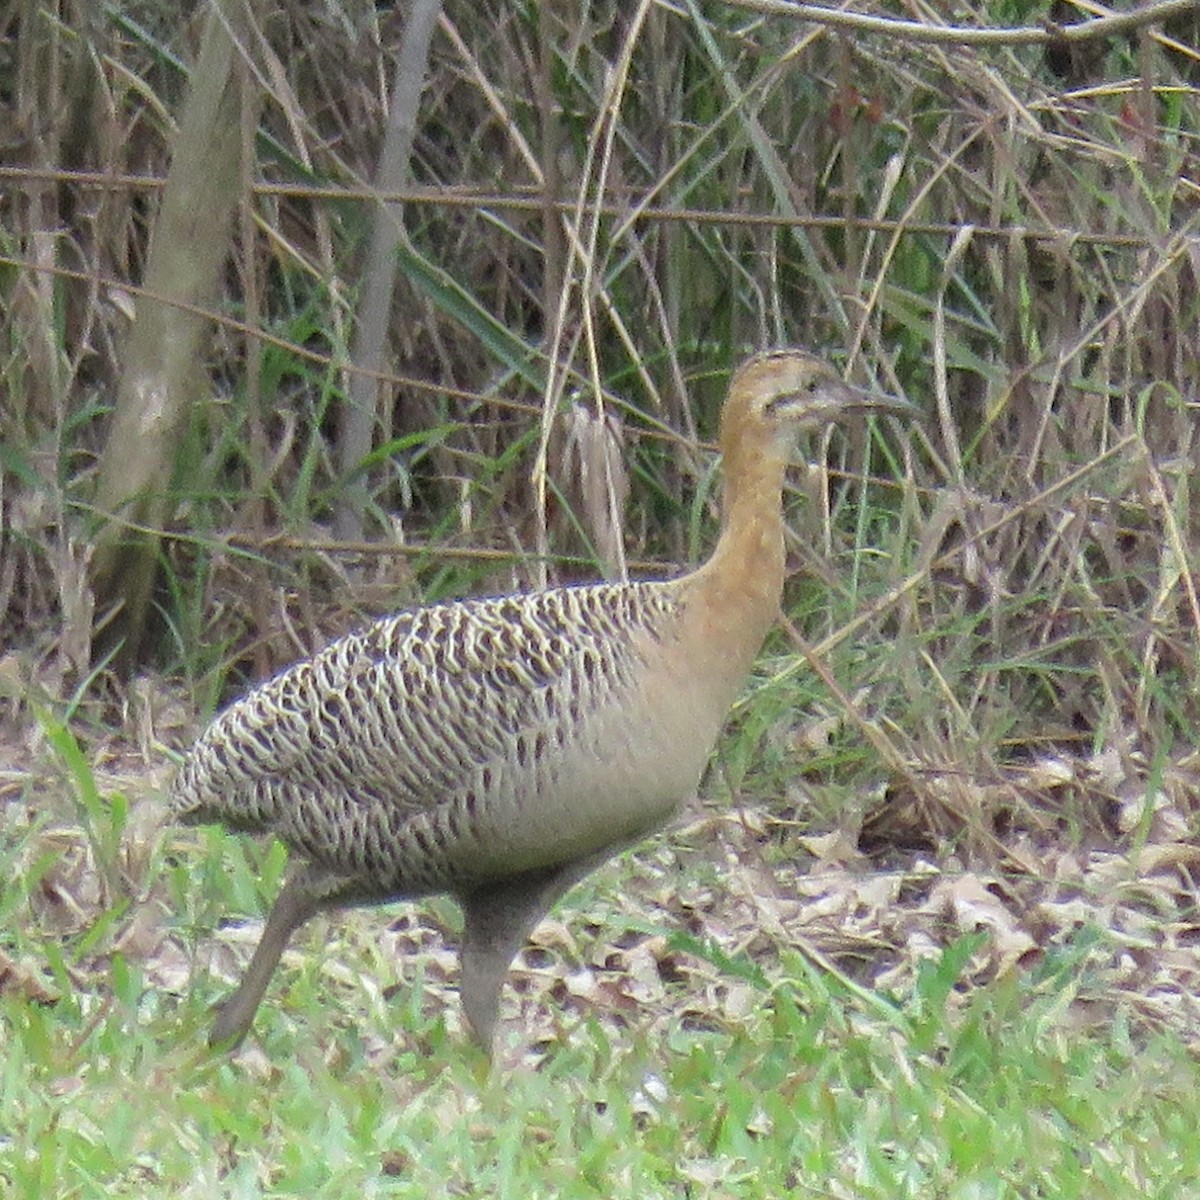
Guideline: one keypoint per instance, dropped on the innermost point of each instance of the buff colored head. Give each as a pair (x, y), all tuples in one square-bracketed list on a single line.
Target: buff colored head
[(779, 392)]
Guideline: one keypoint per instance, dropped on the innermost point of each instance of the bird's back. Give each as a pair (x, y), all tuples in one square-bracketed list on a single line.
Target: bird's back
[(461, 742)]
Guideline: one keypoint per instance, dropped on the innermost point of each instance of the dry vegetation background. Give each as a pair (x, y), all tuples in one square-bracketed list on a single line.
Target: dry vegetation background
[(609, 204)]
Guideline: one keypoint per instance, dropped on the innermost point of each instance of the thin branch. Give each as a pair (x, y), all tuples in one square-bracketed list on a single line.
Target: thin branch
[(478, 554), (534, 202), (1022, 35)]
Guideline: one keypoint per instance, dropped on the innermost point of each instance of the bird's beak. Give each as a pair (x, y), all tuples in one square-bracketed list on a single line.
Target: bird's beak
[(835, 401), (846, 398)]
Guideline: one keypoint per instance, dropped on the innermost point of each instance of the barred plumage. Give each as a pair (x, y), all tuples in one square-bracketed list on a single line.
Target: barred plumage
[(349, 758), (498, 749)]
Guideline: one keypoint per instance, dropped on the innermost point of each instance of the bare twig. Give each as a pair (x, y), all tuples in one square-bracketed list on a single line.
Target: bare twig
[(1022, 35), (517, 202)]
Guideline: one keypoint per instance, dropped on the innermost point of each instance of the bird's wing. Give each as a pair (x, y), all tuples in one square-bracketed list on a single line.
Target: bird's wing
[(406, 712)]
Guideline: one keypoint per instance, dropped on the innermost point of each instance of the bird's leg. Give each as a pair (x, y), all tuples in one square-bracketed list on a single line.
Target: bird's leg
[(497, 920), (300, 897)]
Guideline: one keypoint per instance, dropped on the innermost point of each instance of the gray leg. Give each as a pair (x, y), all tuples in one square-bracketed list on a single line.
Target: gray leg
[(498, 919), (301, 897)]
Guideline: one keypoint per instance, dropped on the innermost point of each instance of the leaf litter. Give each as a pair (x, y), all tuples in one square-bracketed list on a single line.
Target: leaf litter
[(646, 946)]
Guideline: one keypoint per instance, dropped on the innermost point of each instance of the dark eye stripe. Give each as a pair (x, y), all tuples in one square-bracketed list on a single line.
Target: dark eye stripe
[(786, 400)]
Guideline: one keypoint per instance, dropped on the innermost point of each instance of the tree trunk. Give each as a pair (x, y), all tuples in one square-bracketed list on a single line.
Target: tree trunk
[(356, 432), (164, 363)]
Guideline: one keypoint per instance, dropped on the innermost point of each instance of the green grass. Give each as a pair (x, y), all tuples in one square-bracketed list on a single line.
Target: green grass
[(744, 1069), (810, 1086), (810, 1095)]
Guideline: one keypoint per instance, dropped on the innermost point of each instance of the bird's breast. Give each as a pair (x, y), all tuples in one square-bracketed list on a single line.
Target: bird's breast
[(603, 776)]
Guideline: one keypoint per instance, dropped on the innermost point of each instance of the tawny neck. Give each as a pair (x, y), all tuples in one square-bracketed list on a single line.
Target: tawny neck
[(736, 593)]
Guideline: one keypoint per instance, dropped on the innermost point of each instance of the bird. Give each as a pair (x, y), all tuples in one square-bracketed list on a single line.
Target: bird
[(499, 749)]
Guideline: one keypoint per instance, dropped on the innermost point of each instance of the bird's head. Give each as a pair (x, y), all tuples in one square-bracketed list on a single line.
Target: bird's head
[(774, 395)]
